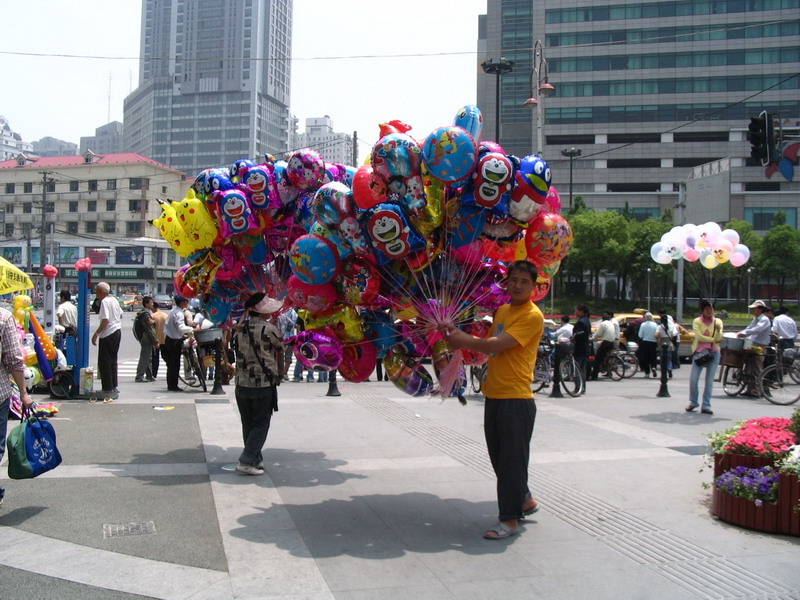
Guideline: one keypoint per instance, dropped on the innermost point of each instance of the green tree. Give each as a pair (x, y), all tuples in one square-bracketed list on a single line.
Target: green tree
[(780, 257), (643, 235), (752, 240)]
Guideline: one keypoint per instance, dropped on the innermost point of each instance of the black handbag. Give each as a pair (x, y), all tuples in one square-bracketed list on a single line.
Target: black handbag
[(702, 357)]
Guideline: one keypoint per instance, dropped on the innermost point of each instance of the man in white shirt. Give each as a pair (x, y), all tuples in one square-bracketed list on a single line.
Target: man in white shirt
[(607, 338), (784, 328), (759, 333), (109, 334), (174, 331), (67, 313), (564, 333)]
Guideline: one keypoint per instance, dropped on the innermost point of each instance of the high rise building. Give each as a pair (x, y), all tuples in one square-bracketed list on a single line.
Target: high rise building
[(50, 146), (648, 92), (107, 139), (11, 142), (214, 82), (333, 147)]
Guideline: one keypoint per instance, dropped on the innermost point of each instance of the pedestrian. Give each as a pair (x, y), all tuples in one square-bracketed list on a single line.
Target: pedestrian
[(509, 407), (12, 366), (259, 350), (564, 333), (160, 319), (286, 325), (707, 335), (648, 345), (664, 335), (109, 335), (581, 338), (607, 337), (67, 313), (758, 331), (784, 328), (174, 331), (615, 325), (145, 325), (674, 337)]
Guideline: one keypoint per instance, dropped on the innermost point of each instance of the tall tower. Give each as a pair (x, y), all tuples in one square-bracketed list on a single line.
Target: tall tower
[(214, 82)]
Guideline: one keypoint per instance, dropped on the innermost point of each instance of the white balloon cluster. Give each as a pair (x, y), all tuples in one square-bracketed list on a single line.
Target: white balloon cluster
[(707, 244)]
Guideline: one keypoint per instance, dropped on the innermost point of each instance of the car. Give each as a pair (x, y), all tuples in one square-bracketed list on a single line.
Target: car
[(164, 301), (131, 302)]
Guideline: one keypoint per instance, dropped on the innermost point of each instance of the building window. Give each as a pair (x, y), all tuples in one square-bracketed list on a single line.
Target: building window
[(51, 186), (91, 205), (762, 186), (72, 227), (111, 184), (111, 205), (163, 189), (9, 188), (93, 185), (762, 218), (634, 187), (133, 228), (109, 226), (91, 226), (138, 183), (9, 209), (74, 186), (27, 188), (134, 205), (9, 229), (158, 256), (27, 208)]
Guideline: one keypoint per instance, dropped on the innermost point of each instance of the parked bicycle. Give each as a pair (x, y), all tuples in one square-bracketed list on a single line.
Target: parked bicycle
[(780, 381), (569, 371), (191, 372)]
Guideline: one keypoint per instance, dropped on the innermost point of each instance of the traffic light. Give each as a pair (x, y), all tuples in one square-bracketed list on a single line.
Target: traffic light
[(761, 135)]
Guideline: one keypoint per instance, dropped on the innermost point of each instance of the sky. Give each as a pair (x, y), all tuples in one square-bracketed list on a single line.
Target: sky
[(361, 63)]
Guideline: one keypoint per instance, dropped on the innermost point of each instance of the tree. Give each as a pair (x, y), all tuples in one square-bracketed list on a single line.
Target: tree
[(780, 256), (752, 240), (643, 235)]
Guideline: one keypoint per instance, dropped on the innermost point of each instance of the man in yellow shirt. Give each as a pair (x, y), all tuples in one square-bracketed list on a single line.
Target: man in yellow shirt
[(509, 409)]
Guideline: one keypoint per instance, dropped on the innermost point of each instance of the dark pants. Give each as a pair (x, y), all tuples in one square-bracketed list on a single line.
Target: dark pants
[(156, 359), (172, 356), (583, 365), (255, 408), (785, 344), (145, 366), (600, 357), (647, 356), (508, 427), (107, 351)]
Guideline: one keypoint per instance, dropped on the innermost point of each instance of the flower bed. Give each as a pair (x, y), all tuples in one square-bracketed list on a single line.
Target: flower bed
[(756, 468)]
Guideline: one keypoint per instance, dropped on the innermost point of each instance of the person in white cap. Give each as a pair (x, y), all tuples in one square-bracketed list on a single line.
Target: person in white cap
[(759, 333), (259, 357)]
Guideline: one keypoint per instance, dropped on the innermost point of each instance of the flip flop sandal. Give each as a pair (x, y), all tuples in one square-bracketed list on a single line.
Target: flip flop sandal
[(501, 532)]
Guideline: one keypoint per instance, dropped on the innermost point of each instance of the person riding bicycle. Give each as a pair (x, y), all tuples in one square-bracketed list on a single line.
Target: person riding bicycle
[(607, 336), (758, 332), (784, 328)]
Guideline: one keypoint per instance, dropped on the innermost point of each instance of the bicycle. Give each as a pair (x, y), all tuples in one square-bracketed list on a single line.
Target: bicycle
[(543, 368), (780, 381), (477, 375), (737, 373), (570, 373), (191, 372), (613, 365), (629, 362)]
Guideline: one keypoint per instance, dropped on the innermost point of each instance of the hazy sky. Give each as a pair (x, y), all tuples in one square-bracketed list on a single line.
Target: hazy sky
[(346, 63)]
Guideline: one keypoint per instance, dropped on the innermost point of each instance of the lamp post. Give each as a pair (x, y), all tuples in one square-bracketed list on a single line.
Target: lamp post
[(749, 273), (572, 154), (649, 270), (539, 91), (499, 68)]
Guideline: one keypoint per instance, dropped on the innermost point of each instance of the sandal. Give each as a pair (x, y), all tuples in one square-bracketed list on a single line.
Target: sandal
[(689, 408), (530, 511), (501, 532)]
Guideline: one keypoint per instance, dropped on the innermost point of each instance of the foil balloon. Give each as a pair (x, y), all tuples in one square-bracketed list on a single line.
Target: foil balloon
[(553, 200), (305, 169), (441, 358), (470, 119), (314, 298), (216, 180), (314, 259), (391, 233), (368, 189), (407, 374), (235, 214), (396, 156), (345, 324), (431, 216), (489, 290), (317, 349), (201, 274), (183, 286), (342, 248), (332, 203), (196, 221), (239, 168), (468, 224), (286, 191), (381, 330), (169, 226), (490, 182), (504, 229), (358, 361), (541, 288), (549, 238), (259, 181), (532, 183), (450, 153), (359, 282), (478, 329)]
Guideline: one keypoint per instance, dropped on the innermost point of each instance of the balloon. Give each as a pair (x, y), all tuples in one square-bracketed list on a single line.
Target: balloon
[(663, 258), (236, 216), (217, 308), (358, 361), (449, 153), (332, 203), (655, 250), (490, 182), (396, 156), (730, 235), (359, 282), (470, 119), (169, 227), (317, 349), (541, 288), (345, 324), (196, 222), (380, 329), (286, 190), (368, 189), (343, 249), (691, 254), (182, 286), (548, 238), (314, 298), (391, 233), (723, 250), (305, 169), (314, 259), (407, 374), (532, 181), (548, 270), (737, 259), (239, 168), (216, 180), (709, 261), (467, 225), (260, 183), (478, 329), (552, 202), (743, 250), (200, 275), (431, 216)]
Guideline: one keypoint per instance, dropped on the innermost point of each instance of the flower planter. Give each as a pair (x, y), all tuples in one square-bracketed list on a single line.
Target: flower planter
[(726, 462), (778, 517)]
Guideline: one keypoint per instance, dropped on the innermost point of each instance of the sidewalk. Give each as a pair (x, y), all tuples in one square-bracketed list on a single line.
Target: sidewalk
[(376, 494)]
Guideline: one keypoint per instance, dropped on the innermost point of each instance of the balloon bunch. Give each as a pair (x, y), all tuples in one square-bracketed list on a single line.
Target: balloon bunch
[(374, 258), (37, 347), (707, 244)]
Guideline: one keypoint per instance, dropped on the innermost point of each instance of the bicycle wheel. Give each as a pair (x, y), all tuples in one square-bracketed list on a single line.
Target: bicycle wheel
[(571, 377), (631, 364), (615, 367), (187, 373), (779, 385), (61, 385), (541, 373), (732, 381), (476, 376), (199, 371)]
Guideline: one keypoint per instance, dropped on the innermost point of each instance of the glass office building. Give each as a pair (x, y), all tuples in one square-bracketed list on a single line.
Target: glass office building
[(214, 82), (649, 91)]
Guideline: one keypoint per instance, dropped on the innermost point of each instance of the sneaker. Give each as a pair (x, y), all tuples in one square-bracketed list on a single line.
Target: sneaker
[(249, 469), (139, 380), (260, 465), (150, 378)]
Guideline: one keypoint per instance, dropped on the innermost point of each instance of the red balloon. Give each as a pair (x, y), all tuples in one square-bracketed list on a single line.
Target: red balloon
[(50, 271), (367, 188), (358, 361)]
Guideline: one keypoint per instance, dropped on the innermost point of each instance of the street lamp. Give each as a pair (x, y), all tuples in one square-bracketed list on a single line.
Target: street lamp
[(499, 68), (539, 91), (572, 154), (649, 270), (749, 273)]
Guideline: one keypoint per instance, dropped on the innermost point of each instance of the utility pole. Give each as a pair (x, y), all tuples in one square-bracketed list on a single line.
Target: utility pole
[(355, 149), (43, 233)]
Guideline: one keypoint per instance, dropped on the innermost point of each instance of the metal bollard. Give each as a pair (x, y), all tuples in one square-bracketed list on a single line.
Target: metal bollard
[(333, 389), (663, 392), (217, 389)]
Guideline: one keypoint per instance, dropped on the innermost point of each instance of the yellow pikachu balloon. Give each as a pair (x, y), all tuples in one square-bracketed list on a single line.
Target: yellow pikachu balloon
[(196, 222), (169, 227)]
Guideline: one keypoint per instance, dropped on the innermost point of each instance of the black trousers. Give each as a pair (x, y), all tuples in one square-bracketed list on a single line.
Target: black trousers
[(172, 356), (255, 408), (107, 351), (508, 427), (600, 356)]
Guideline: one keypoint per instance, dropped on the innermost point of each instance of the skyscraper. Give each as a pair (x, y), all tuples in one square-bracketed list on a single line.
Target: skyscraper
[(214, 82), (648, 91)]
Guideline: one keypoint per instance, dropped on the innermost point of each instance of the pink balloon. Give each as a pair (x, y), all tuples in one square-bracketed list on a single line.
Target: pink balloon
[(358, 361), (314, 298), (691, 254), (737, 259), (553, 200)]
